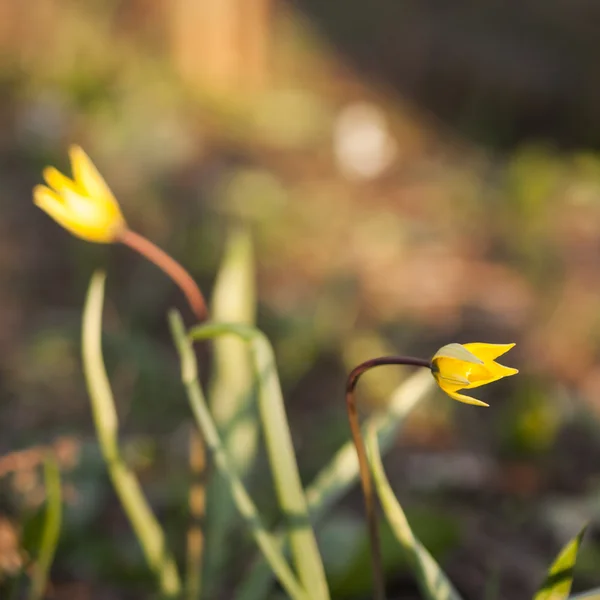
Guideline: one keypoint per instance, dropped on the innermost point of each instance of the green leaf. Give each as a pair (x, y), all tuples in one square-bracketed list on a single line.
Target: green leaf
[(557, 584), (265, 540), (50, 532), (433, 583), (341, 473), (589, 595), (145, 525), (231, 390), (280, 451), (231, 394)]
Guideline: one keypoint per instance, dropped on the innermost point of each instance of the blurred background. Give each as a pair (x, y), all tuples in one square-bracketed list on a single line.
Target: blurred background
[(413, 174)]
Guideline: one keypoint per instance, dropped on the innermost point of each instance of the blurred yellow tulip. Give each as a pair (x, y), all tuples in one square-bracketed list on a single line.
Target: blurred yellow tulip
[(84, 205), (466, 366)]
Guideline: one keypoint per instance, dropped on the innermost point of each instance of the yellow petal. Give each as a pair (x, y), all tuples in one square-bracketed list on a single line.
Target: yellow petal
[(448, 371), (51, 203), (496, 372), (93, 220), (57, 181), (451, 380), (488, 351), (466, 399), (87, 176), (47, 199)]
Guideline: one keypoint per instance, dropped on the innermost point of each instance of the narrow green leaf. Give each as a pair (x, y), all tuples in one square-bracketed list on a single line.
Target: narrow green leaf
[(282, 458), (589, 595), (559, 579), (433, 583), (145, 525), (50, 532), (341, 473), (265, 540), (231, 390), (231, 393)]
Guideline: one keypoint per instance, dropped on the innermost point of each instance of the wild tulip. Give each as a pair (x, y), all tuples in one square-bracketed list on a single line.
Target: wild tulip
[(85, 206), (455, 367)]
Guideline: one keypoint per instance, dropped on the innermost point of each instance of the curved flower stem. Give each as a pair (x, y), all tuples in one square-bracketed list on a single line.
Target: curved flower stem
[(171, 267), (363, 463)]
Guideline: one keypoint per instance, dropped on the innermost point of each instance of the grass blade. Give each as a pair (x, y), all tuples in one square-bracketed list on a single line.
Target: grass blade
[(589, 595), (147, 529), (51, 531), (559, 579), (341, 473), (231, 393), (433, 583), (246, 507), (282, 458)]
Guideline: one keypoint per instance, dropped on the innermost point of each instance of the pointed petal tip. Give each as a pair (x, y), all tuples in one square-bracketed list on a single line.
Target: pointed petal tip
[(466, 399), (48, 173), (75, 150), (87, 176), (57, 181), (487, 351), (501, 371), (38, 191), (42, 194), (507, 347)]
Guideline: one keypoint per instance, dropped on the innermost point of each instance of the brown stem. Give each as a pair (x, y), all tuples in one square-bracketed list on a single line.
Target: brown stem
[(171, 267), (197, 506), (363, 463)]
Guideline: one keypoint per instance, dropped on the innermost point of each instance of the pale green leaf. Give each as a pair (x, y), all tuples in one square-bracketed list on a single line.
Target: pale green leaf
[(341, 472), (432, 581), (231, 395), (145, 525), (557, 584), (50, 532), (265, 540), (280, 451)]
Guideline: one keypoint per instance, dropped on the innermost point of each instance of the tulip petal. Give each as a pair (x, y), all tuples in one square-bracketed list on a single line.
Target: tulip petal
[(506, 371), (458, 352), (488, 351), (496, 372), (91, 220), (451, 380), (57, 181), (88, 177), (52, 204), (466, 399)]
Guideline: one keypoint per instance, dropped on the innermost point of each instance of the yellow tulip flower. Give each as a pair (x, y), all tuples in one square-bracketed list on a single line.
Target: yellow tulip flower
[(466, 366), (84, 205)]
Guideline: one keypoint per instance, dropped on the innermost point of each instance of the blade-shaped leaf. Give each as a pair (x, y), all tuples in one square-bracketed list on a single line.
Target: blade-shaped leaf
[(336, 478), (557, 584), (51, 530), (433, 583), (231, 395), (265, 540), (282, 458), (589, 595), (145, 525), (231, 390)]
